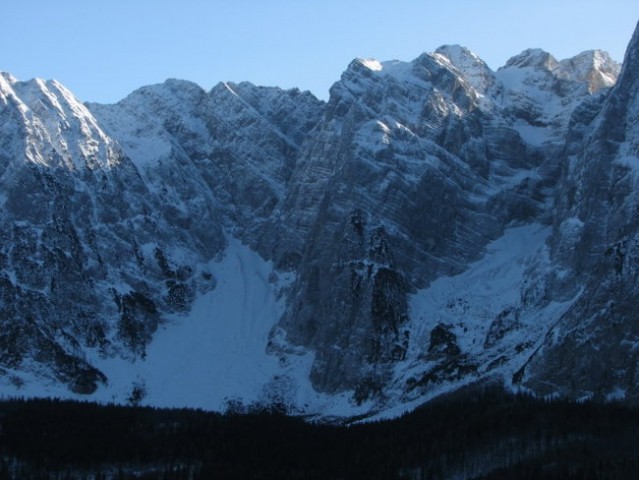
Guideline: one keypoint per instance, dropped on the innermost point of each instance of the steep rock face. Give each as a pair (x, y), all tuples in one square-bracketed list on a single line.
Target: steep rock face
[(593, 348), (81, 263), (371, 214), (238, 144), (434, 158), (107, 237), (412, 210)]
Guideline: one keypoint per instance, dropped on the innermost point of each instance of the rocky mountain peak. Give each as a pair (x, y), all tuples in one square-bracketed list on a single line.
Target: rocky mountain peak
[(534, 58), (594, 67), (6, 81), (43, 109), (458, 54), (8, 77), (369, 63), (473, 69), (407, 237)]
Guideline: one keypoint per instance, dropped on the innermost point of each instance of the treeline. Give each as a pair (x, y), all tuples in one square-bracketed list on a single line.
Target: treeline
[(473, 434)]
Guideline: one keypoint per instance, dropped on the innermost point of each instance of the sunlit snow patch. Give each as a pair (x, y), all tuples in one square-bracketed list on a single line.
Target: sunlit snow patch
[(371, 64)]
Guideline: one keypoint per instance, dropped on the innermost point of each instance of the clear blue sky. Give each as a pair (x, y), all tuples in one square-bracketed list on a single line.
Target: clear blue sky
[(103, 50)]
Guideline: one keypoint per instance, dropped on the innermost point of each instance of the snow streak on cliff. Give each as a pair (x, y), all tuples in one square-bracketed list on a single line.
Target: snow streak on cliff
[(434, 224)]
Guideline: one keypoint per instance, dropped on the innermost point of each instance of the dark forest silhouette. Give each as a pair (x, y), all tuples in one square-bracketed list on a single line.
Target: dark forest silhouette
[(481, 434)]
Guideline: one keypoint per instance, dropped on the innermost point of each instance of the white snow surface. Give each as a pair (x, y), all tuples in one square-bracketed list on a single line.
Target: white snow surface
[(468, 303), (217, 355), (372, 64), (214, 355), (474, 298), (630, 161)]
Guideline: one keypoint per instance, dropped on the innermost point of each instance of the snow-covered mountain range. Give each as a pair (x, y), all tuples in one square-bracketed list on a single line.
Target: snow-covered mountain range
[(434, 224)]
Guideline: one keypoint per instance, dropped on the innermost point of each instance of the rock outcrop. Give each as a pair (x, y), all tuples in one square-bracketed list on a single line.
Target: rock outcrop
[(443, 223)]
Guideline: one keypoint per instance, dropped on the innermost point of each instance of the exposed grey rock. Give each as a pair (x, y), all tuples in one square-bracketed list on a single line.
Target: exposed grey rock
[(591, 351), (428, 154), (405, 176), (105, 237)]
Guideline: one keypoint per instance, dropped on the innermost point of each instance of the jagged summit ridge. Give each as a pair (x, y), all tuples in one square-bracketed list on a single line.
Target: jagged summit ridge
[(533, 57), (473, 69), (355, 243), (595, 68), (32, 105)]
